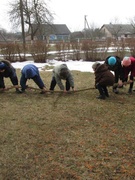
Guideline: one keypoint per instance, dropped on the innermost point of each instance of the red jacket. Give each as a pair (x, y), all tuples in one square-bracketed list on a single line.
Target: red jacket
[(130, 69)]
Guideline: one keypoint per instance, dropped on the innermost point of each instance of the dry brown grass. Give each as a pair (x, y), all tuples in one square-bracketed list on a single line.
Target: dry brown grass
[(67, 137)]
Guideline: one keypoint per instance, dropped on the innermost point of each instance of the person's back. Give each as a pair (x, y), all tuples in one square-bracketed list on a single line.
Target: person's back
[(128, 64), (103, 78), (61, 72), (114, 64), (30, 71), (8, 68), (8, 71)]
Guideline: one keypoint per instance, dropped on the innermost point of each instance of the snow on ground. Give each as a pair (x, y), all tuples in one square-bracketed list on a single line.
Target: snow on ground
[(81, 65)]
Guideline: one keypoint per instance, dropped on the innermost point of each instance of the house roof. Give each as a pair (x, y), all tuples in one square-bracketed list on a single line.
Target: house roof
[(57, 29), (60, 29), (119, 28), (77, 34)]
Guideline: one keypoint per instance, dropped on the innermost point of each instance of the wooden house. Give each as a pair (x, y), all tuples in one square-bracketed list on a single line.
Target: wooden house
[(53, 32), (118, 31)]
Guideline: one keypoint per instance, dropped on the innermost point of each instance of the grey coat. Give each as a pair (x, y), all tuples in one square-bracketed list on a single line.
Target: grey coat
[(56, 74)]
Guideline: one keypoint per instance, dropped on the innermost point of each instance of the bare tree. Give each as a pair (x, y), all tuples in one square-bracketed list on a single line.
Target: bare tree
[(22, 23), (115, 27), (35, 12), (92, 32)]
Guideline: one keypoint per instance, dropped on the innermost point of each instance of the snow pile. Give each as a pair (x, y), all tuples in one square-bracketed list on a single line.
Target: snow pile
[(81, 65)]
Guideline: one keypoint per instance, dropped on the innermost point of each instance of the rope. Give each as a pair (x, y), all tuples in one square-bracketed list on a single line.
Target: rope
[(79, 90), (125, 83), (7, 89), (30, 87)]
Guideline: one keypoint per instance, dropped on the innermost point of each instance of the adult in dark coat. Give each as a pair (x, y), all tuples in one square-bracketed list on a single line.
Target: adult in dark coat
[(103, 78), (114, 64), (8, 71)]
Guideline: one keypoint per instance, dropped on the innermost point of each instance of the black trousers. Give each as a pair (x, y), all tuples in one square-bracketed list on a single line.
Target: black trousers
[(131, 84), (53, 84), (102, 90)]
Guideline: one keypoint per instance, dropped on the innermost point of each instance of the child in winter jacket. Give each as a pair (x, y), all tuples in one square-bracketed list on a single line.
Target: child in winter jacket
[(128, 64), (103, 78), (61, 72), (114, 64), (30, 71), (8, 71)]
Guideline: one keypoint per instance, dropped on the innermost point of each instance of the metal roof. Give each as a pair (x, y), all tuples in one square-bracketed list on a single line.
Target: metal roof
[(119, 28), (57, 29)]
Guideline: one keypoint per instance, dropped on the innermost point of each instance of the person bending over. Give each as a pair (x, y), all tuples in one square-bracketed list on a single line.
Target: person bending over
[(30, 71), (103, 78), (114, 64), (8, 71), (61, 72)]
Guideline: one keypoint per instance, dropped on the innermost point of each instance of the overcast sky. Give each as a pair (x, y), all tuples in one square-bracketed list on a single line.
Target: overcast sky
[(72, 12)]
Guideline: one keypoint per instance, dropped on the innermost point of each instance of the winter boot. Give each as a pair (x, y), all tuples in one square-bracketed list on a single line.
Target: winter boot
[(130, 91), (18, 91), (106, 91), (101, 97), (101, 92)]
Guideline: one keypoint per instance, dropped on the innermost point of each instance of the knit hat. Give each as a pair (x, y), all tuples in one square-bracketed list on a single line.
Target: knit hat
[(95, 65), (112, 61), (126, 61), (2, 66)]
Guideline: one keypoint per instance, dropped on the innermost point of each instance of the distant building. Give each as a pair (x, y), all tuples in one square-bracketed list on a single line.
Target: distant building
[(77, 35), (118, 31), (53, 32)]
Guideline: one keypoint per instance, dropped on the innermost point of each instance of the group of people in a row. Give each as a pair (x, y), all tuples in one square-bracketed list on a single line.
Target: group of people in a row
[(30, 71), (122, 68)]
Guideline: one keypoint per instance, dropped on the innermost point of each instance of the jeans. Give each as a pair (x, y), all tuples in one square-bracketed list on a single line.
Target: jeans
[(36, 79)]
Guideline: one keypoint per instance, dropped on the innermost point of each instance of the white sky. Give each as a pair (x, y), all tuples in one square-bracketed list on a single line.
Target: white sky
[(72, 12), (99, 12)]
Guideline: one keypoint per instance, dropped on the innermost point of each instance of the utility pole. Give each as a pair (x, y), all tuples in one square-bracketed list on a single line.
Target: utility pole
[(85, 25), (86, 22), (22, 24)]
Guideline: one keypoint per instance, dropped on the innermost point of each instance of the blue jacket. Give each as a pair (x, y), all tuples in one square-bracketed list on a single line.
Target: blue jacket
[(30, 71)]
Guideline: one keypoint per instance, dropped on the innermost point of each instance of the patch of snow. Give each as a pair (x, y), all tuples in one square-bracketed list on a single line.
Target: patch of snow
[(81, 65)]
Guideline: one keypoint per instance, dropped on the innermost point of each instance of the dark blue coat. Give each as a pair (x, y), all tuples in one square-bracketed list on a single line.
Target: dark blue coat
[(30, 71), (9, 72)]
